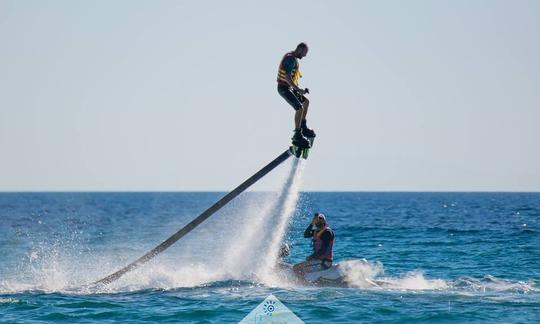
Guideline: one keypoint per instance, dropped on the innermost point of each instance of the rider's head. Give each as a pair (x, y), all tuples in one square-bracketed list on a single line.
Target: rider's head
[(301, 50), (320, 220)]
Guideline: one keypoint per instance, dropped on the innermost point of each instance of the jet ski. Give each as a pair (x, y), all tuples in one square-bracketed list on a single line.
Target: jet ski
[(338, 275)]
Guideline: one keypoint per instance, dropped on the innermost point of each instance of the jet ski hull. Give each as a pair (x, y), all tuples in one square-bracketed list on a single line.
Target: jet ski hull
[(335, 276)]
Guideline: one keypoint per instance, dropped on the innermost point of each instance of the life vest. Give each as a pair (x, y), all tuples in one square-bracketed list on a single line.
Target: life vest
[(295, 74), (317, 244)]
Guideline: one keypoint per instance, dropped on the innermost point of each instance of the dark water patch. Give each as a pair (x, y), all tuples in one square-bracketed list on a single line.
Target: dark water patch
[(526, 232), (101, 316), (88, 304), (56, 317)]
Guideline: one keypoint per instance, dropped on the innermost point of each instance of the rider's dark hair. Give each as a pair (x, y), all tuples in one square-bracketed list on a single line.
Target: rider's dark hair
[(301, 46)]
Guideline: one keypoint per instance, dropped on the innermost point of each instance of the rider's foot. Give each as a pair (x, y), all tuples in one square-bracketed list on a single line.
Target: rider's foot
[(307, 132), (299, 140)]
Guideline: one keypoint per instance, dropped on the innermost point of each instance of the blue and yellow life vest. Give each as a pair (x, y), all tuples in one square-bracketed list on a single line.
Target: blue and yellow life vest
[(295, 74)]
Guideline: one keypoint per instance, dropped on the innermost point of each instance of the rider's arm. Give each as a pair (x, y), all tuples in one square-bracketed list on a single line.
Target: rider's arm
[(309, 231), (291, 84)]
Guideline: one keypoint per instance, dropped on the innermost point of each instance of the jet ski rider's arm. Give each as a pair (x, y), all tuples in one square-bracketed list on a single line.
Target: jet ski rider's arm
[(309, 231)]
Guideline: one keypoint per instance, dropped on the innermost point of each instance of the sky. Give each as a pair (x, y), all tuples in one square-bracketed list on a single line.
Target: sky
[(181, 95)]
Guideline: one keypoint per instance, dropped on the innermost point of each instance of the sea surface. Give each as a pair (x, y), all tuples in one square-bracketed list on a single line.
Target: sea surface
[(444, 257)]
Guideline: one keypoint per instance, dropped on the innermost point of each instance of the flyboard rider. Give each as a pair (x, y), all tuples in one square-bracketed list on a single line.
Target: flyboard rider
[(288, 81), (322, 240)]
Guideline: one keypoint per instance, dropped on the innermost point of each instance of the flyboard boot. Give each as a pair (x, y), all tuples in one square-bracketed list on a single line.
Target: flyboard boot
[(308, 133), (300, 144)]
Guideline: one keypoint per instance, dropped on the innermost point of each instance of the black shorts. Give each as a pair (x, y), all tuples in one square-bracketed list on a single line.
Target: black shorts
[(292, 96)]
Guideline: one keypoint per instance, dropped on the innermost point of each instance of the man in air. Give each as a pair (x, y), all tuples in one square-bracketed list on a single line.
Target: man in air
[(287, 79), (322, 240)]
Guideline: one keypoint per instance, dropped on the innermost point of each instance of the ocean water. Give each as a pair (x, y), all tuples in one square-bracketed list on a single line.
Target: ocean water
[(442, 257)]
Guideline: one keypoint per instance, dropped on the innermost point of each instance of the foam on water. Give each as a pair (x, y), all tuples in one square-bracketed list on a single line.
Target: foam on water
[(368, 275), (413, 280), (9, 301)]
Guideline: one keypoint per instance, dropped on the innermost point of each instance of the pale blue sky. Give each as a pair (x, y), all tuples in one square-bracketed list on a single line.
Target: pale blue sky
[(178, 95)]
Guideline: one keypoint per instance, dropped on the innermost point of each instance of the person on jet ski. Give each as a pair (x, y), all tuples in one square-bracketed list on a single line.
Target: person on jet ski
[(322, 240)]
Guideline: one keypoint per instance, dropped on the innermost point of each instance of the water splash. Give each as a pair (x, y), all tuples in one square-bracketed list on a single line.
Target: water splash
[(282, 216), (413, 280), (360, 273)]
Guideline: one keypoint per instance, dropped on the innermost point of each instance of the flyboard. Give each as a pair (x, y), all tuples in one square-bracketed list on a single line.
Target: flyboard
[(300, 151), (291, 151)]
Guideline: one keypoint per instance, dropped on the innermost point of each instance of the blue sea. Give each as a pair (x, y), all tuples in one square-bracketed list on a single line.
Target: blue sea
[(444, 257)]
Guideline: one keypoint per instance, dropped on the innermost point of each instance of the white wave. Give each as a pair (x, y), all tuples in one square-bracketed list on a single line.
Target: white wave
[(9, 301), (364, 274), (413, 280), (490, 283)]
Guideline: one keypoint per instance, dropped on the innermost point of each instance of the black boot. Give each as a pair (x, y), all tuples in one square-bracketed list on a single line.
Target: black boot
[(299, 140), (307, 132)]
